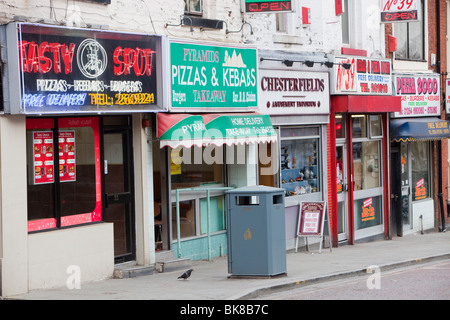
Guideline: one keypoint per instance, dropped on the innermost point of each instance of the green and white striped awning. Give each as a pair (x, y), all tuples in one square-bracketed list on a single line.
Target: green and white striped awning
[(180, 129)]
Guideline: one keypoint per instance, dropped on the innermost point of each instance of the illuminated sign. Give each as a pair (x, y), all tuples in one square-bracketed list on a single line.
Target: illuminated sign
[(399, 11), (261, 6), (66, 70)]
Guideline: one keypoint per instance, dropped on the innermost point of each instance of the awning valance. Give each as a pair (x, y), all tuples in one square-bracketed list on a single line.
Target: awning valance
[(186, 130), (420, 129)]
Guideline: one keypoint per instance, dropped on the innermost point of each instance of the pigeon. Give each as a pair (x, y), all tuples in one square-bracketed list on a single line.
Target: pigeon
[(186, 275)]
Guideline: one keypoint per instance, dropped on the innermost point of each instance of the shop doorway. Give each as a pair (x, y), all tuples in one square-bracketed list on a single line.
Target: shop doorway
[(118, 185), (396, 191), (342, 191)]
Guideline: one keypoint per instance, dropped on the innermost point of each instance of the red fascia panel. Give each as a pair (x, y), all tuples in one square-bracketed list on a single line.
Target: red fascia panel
[(365, 103), (354, 52)]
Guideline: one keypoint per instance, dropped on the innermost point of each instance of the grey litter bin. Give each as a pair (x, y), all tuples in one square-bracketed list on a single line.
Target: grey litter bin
[(256, 231)]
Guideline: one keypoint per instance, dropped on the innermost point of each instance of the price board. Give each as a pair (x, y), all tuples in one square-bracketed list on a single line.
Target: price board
[(311, 222)]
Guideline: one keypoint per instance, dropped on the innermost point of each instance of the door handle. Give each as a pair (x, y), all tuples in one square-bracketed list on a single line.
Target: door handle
[(394, 196)]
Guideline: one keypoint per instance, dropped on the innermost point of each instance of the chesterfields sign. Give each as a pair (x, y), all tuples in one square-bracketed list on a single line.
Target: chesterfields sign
[(211, 77), (64, 70)]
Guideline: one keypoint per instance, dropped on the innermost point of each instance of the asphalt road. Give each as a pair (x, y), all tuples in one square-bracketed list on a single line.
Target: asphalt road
[(424, 282)]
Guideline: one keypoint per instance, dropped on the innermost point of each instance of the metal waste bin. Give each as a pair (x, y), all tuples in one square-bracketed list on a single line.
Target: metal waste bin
[(256, 231)]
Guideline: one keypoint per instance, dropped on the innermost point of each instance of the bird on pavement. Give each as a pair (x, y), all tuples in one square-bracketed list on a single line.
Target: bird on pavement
[(186, 275)]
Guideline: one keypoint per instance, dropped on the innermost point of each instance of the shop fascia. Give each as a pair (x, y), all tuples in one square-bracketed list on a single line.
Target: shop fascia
[(79, 71), (364, 76), (420, 94)]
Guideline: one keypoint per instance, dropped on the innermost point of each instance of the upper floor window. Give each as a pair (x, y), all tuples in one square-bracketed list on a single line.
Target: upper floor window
[(281, 22), (410, 38), (193, 6), (345, 24)]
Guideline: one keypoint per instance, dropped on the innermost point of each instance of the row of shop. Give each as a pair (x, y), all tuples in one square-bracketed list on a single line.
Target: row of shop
[(152, 131)]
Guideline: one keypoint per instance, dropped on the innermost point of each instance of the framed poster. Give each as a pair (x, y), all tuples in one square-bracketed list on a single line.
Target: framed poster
[(67, 165), (311, 221), (42, 157)]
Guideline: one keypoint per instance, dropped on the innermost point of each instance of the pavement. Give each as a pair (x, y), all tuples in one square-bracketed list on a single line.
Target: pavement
[(210, 280)]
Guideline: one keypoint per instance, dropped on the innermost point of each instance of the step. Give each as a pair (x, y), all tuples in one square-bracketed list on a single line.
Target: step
[(166, 262), (131, 270), (173, 265)]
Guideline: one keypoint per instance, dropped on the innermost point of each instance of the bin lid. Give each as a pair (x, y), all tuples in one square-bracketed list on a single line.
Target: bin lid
[(256, 189)]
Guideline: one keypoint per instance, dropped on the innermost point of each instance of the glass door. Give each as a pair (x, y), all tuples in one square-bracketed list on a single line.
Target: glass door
[(118, 190), (342, 188), (406, 188)]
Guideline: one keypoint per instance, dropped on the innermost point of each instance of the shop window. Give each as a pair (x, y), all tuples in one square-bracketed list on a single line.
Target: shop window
[(376, 126), (63, 172), (197, 167), (366, 165), (300, 160), (193, 167), (420, 170), (359, 128), (340, 126)]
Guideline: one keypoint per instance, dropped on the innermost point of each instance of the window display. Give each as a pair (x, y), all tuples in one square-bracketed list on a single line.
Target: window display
[(300, 166)]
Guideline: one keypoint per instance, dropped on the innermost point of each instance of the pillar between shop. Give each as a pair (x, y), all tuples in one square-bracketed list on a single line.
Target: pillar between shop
[(13, 207)]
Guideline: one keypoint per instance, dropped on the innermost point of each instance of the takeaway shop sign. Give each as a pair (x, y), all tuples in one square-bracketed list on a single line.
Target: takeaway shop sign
[(420, 94), (293, 92), (360, 75), (211, 77), (76, 70)]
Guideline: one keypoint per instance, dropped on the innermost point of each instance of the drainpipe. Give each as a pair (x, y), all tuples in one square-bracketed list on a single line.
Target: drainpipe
[(438, 67)]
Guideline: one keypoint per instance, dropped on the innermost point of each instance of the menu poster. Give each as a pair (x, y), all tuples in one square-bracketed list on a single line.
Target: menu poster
[(43, 157), (66, 140)]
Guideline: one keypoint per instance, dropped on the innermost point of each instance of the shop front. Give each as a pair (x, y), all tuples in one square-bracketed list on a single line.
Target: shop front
[(415, 133), (361, 99), (75, 100), (298, 103), (205, 145)]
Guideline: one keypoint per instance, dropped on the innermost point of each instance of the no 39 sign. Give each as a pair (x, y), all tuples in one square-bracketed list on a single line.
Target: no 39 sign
[(399, 10)]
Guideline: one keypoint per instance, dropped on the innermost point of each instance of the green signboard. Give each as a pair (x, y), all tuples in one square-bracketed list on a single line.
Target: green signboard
[(209, 78)]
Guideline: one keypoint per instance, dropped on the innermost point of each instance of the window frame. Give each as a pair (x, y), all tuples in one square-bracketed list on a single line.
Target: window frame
[(423, 33), (187, 8), (59, 221)]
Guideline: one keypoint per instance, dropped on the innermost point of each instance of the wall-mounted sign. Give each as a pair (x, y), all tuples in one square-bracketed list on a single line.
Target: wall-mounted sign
[(399, 11), (267, 6), (66, 70), (205, 77), (420, 94), (361, 75), (293, 92)]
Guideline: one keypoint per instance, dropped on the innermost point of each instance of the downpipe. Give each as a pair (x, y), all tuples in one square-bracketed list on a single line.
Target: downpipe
[(438, 67)]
